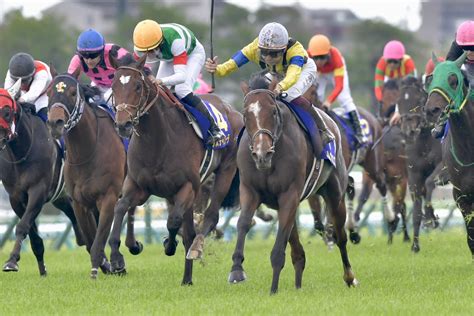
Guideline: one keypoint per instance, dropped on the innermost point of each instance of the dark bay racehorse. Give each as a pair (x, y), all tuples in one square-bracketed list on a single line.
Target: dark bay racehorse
[(396, 175), (370, 158), (425, 167), (95, 161), (164, 159), (449, 92), (31, 172), (274, 159)]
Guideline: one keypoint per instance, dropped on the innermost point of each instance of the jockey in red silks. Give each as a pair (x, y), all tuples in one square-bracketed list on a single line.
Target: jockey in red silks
[(201, 87), (35, 78)]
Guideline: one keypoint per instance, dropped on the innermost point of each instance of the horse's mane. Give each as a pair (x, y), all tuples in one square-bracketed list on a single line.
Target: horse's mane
[(391, 84), (89, 91), (28, 107), (410, 81), (259, 80)]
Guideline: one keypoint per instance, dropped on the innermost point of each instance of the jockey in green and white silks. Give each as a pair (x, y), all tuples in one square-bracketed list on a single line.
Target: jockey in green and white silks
[(181, 58)]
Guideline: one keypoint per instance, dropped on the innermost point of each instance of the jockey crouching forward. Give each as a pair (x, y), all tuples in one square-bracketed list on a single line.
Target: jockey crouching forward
[(181, 58), (35, 78), (332, 69), (278, 53)]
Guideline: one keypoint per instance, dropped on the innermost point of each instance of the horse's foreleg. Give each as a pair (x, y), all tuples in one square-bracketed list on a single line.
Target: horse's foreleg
[(132, 196), (134, 246), (182, 203), (37, 246), (367, 185), (297, 256), (416, 188), (467, 211), (287, 206), (430, 184), (36, 200), (106, 216), (351, 222), (188, 236), (249, 201)]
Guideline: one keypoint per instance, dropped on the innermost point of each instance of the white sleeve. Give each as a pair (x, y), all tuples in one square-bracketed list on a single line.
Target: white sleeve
[(39, 84), (8, 81), (178, 77)]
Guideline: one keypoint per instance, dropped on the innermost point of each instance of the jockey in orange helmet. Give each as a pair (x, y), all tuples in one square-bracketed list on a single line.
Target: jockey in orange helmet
[(332, 70)]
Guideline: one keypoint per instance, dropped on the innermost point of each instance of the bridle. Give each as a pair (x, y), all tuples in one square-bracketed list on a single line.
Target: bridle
[(274, 136), (12, 136), (142, 107), (75, 116), (423, 122)]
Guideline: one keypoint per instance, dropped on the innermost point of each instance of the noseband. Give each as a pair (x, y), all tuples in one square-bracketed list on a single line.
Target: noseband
[(273, 136), (75, 116), (142, 107), (423, 122)]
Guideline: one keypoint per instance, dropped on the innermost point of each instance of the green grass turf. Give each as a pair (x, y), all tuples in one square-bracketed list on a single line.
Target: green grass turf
[(437, 281)]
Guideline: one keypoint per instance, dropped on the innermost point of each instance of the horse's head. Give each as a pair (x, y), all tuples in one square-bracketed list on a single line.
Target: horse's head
[(8, 111), (410, 105), (67, 99), (262, 119), (312, 95), (447, 89), (133, 93)]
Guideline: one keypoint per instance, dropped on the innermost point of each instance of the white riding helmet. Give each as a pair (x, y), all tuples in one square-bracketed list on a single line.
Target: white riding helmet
[(273, 36)]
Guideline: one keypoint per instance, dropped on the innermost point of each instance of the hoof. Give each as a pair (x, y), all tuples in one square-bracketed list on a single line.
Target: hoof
[(354, 237), (392, 226), (120, 272), (42, 269), (196, 249), (187, 283), (105, 267), (94, 273), (353, 283), (237, 276), (118, 267), (194, 254), (170, 248), (415, 248), (406, 239), (136, 249), (10, 267)]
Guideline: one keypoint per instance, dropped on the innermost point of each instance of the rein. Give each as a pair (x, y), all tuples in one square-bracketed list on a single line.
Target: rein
[(274, 136), (423, 122), (140, 108), (23, 159)]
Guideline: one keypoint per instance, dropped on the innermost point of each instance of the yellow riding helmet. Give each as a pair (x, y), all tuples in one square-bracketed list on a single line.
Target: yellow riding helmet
[(319, 45), (147, 35)]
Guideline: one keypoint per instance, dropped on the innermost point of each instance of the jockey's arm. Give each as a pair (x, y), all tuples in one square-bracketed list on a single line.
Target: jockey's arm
[(38, 86), (243, 56), (8, 81), (379, 79), (179, 67), (297, 57)]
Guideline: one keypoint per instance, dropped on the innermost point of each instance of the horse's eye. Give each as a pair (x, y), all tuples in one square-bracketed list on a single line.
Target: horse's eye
[(6, 114), (74, 93), (138, 86)]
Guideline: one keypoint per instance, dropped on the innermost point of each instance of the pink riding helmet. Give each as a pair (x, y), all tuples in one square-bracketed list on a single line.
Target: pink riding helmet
[(465, 34), (393, 50)]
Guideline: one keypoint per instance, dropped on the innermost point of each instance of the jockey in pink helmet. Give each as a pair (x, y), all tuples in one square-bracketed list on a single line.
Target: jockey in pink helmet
[(464, 42)]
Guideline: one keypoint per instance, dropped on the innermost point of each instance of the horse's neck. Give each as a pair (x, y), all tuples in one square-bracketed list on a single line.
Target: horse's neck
[(462, 128), (18, 147), (81, 138)]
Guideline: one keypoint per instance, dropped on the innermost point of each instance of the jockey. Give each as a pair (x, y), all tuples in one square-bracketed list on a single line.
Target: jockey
[(201, 86), (464, 43), (332, 69), (93, 58), (181, 58), (275, 51), (35, 79)]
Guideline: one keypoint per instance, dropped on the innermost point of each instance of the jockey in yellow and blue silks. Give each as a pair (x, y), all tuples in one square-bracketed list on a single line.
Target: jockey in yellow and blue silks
[(275, 51)]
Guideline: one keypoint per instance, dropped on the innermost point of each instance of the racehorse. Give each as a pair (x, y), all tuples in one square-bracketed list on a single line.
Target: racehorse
[(423, 154), (95, 162), (396, 175), (369, 157), (449, 91), (31, 172), (164, 159), (274, 159)]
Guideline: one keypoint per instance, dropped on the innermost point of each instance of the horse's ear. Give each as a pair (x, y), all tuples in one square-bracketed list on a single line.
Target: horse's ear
[(434, 58), (245, 87), (14, 90), (273, 84), (113, 62), (52, 69), (461, 59), (76, 73), (141, 62)]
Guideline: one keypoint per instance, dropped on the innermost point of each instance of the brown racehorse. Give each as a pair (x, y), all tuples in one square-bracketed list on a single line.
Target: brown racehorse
[(31, 172), (423, 154), (370, 158), (396, 174), (95, 161), (274, 159), (164, 159), (457, 100)]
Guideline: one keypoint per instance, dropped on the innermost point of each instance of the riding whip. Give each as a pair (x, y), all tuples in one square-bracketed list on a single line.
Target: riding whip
[(213, 84), (381, 137)]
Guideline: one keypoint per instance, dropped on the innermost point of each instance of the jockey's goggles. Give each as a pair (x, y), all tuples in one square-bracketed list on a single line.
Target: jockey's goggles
[(320, 57), (393, 61), (271, 52), (24, 80), (90, 55), (468, 48)]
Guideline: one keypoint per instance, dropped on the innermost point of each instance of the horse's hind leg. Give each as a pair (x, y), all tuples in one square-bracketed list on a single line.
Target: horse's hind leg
[(64, 204), (188, 236), (316, 210), (466, 207), (249, 202), (416, 190), (134, 246), (211, 216), (351, 224), (38, 248), (430, 184), (367, 185), (297, 256), (36, 200), (132, 196)]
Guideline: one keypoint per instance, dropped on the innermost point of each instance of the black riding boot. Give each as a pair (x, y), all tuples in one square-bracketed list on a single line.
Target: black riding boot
[(214, 131), (354, 118), (326, 134)]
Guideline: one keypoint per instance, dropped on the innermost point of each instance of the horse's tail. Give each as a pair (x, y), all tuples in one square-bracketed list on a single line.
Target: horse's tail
[(232, 197)]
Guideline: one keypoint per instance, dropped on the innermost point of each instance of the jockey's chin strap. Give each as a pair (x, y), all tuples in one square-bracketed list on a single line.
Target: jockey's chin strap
[(75, 116), (274, 136), (140, 109)]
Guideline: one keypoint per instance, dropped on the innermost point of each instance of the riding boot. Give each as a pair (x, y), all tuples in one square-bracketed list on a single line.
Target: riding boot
[(214, 131), (326, 134), (438, 130), (43, 114), (354, 118)]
